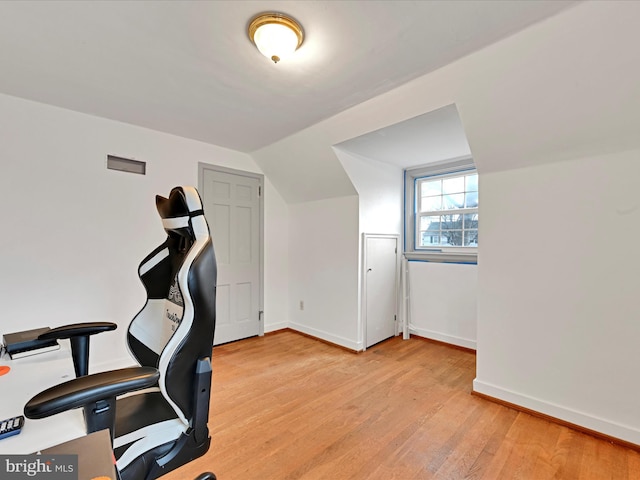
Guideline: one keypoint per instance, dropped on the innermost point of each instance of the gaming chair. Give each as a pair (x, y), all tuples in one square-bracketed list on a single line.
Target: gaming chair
[(157, 413)]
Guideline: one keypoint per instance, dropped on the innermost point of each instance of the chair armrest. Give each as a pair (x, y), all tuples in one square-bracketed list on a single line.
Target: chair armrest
[(79, 334), (88, 389), (77, 330)]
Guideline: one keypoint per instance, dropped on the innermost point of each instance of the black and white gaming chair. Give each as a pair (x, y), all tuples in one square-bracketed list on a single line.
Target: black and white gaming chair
[(157, 412)]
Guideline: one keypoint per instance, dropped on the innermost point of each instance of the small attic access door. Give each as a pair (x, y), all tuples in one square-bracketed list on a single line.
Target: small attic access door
[(379, 287)]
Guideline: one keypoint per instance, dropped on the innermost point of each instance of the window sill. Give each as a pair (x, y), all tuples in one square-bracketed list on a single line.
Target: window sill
[(470, 258)]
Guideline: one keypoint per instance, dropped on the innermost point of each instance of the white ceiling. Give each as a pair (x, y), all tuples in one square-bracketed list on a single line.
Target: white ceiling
[(188, 67), (427, 138)]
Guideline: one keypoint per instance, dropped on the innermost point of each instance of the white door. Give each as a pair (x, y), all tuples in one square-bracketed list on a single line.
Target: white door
[(381, 288), (232, 209)]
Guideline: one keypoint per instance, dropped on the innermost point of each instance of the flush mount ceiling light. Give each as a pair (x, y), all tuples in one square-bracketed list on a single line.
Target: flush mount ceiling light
[(276, 35)]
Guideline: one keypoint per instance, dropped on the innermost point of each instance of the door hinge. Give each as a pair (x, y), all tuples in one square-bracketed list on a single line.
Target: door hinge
[(259, 190), (260, 314), (395, 319)]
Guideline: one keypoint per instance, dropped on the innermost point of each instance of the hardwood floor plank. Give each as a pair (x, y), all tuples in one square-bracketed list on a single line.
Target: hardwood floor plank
[(287, 407), (568, 453)]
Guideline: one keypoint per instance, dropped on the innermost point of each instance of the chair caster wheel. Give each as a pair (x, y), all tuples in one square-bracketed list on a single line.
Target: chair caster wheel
[(206, 476)]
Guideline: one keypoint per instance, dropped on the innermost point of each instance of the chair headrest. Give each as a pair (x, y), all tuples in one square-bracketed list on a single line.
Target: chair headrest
[(176, 212)]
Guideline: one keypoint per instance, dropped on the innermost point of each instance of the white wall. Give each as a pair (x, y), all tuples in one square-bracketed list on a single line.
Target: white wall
[(276, 260), (323, 269), (443, 302), (558, 301), (75, 232), (380, 192)]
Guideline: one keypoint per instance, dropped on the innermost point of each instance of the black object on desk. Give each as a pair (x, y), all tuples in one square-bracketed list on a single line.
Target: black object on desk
[(22, 344), (11, 426)]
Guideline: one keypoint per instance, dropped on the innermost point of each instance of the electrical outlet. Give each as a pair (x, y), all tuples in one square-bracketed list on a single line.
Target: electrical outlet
[(301, 305)]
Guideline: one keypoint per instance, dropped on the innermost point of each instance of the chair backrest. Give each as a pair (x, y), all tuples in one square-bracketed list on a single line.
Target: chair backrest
[(176, 326)]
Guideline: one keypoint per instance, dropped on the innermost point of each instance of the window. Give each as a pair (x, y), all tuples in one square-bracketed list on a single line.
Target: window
[(447, 211), (441, 211)]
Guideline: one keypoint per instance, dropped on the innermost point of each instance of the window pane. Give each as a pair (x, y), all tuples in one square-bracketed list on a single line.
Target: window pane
[(471, 238), (451, 222), (453, 201), (453, 185), (472, 199), (471, 221), (431, 203), (429, 239), (431, 187), (452, 238), (472, 183), (431, 224), (429, 230)]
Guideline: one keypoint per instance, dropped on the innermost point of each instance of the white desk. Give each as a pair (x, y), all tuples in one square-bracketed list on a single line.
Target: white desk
[(28, 377)]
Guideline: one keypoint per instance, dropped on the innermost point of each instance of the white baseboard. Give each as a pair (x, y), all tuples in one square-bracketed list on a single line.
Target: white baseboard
[(272, 327), (443, 337), (343, 342), (580, 419)]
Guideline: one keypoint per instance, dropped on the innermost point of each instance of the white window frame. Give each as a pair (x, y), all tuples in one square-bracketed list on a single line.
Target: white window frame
[(463, 165)]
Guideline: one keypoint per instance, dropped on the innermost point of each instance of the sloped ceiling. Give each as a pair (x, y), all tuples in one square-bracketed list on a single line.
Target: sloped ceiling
[(431, 137), (188, 67)]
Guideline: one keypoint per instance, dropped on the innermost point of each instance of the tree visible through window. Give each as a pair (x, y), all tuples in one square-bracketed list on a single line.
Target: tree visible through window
[(447, 210)]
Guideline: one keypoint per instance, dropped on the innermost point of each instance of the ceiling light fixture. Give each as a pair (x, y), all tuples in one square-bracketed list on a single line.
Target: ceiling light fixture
[(276, 35)]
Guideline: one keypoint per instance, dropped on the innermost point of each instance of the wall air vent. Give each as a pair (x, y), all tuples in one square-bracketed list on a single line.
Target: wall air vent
[(126, 165)]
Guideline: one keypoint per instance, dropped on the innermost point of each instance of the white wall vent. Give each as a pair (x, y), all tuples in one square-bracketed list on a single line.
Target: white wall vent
[(126, 165)]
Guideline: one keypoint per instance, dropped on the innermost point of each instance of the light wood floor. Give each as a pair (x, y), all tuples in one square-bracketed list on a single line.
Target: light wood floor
[(289, 407)]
